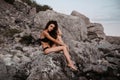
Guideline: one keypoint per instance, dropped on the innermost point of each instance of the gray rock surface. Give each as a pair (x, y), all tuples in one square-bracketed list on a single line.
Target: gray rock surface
[(96, 30), (86, 19), (113, 39), (3, 71)]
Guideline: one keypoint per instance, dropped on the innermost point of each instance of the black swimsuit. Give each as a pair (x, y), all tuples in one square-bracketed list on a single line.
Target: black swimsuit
[(45, 48), (44, 39), (48, 41)]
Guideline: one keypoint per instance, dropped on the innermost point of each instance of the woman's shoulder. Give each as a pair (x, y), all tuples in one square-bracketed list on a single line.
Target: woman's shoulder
[(44, 32)]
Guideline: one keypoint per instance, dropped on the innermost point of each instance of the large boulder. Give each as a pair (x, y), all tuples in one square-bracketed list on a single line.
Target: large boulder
[(73, 27), (86, 19), (49, 67), (96, 30), (88, 56)]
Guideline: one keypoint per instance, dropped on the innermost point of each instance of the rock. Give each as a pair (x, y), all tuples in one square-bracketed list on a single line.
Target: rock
[(18, 47), (7, 59), (83, 78), (105, 46), (29, 49), (96, 30), (48, 67), (3, 71), (71, 26), (19, 5), (16, 60), (113, 60), (25, 59), (88, 55), (113, 39), (86, 19), (32, 11)]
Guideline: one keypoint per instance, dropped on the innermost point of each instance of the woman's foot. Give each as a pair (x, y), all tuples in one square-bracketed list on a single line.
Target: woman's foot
[(72, 66)]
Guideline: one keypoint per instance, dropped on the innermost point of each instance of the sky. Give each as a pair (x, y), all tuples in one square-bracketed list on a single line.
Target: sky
[(106, 12)]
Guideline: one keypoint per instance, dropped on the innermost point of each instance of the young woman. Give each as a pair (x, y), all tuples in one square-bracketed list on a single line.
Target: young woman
[(52, 42)]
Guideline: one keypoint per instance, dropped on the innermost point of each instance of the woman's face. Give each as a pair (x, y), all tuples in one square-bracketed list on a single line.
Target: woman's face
[(51, 27)]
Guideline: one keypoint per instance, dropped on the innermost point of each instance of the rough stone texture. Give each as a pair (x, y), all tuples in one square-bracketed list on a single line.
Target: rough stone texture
[(88, 56), (113, 39), (19, 5), (3, 71), (96, 57), (41, 71), (32, 11), (95, 30), (86, 19)]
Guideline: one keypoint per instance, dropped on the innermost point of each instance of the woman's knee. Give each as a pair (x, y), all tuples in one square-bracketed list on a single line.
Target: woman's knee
[(64, 47)]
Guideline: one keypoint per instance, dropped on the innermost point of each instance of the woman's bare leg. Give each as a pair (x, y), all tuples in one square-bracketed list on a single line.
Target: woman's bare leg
[(65, 51)]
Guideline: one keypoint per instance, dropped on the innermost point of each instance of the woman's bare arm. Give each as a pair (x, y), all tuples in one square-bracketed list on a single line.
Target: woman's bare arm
[(60, 35), (60, 38), (52, 39)]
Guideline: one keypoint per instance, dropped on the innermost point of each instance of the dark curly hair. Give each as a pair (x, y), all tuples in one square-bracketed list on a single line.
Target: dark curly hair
[(52, 33)]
